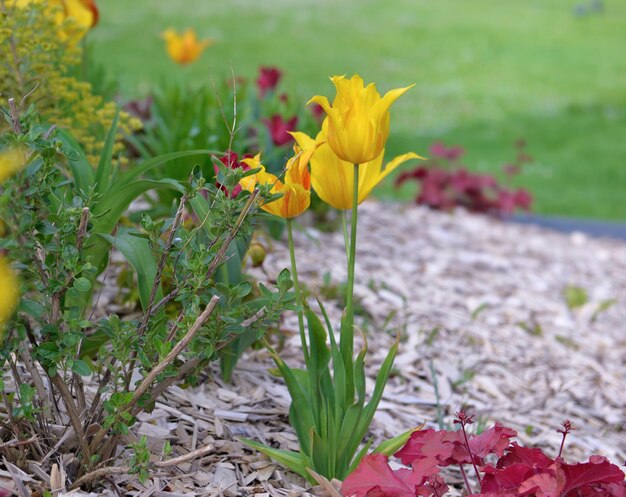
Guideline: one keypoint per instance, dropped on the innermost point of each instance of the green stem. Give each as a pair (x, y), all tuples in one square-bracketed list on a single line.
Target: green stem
[(347, 338), (296, 285), (344, 226)]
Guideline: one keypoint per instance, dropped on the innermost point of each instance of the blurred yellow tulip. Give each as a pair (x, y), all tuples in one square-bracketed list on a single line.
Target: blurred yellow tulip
[(296, 188), (82, 13), (11, 161), (8, 292), (186, 48), (358, 120), (333, 178)]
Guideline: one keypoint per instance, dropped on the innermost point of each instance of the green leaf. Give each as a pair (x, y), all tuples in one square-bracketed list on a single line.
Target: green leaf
[(105, 165), (575, 296), (302, 419), (82, 284), (295, 461), (145, 166), (80, 367), (139, 255), (82, 171), (284, 281), (393, 445)]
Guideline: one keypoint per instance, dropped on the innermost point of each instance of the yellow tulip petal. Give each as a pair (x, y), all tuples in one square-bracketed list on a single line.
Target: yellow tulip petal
[(373, 175), (358, 119), (11, 161), (8, 292)]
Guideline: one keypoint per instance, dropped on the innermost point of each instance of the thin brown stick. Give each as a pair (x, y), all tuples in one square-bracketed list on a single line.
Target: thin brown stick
[(180, 346), (149, 312), (73, 413), (232, 234), (147, 381), (16, 442), (15, 117), (99, 473), (185, 457), (158, 390), (36, 377), (178, 218), (218, 259)]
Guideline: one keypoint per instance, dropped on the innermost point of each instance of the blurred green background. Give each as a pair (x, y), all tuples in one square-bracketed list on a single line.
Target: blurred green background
[(487, 72)]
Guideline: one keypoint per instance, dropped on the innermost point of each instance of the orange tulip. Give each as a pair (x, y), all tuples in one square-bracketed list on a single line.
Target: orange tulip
[(186, 48), (296, 189)]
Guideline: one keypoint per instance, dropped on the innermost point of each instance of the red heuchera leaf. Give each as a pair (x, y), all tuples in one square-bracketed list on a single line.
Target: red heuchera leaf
[(495, 440), (375, 478), (431, 444), (279, 129), (597, 471), (441, 151), (505, 479), (549, 483), (533, 458)]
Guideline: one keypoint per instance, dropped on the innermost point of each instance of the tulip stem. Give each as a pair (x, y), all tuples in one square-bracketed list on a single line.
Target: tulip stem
[(344, 225), (296, 286), (347, 341)]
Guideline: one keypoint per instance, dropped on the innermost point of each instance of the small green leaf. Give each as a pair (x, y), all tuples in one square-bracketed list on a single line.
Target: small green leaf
[(575, 296), (80, 367), (82, 284), (284, 282)]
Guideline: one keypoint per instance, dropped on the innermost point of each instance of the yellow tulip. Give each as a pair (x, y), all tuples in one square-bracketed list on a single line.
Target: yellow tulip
[(83, 13), (8, 292), (358, 120), (184, 48), (296, 188), (333, 178), (11, 161)]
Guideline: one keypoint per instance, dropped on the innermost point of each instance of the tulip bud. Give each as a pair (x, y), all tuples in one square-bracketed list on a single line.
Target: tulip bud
[(256, 253)]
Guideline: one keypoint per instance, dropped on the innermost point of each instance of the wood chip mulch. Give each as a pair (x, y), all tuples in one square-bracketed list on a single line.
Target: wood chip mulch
[(484, 324)]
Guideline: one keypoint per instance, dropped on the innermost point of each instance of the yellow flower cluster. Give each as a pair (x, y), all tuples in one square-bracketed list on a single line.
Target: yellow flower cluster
[(37, 56), (354, 133)]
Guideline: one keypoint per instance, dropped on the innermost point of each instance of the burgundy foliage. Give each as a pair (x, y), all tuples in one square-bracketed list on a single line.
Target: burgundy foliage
[(446, 183), (268, 79), (231, 160), (518, 471), (279, 129)]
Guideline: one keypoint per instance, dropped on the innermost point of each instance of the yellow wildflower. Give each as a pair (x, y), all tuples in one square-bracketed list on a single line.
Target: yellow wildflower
[(358, 124), (184, 48)]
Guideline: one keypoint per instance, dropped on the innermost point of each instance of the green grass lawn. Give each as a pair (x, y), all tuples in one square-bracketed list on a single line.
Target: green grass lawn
[(486, 72)]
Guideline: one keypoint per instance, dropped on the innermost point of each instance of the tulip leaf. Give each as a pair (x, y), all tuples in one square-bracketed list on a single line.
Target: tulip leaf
[(82, 171), (139, 255), (393, 445), (295, 461), (105, 165)]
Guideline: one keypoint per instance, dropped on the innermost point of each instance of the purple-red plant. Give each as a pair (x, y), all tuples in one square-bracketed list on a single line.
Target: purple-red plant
[(268, 79), (446, 183), (279, 129), (231, 160), (518, 471)]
